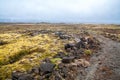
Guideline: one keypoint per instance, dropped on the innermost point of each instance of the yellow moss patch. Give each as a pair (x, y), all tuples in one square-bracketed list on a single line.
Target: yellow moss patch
[(26, 52)]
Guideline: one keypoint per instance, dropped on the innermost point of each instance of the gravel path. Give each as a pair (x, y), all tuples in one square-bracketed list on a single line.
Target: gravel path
[(105, 65)]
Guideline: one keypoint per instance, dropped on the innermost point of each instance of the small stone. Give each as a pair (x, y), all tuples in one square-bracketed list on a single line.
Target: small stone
[(68, 59), (83, 39), (73, 64), (77, 40), (90, 41), (82, 62), (59, 55)]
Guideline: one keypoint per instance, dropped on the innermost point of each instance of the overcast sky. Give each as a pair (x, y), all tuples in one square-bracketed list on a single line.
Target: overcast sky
[(75, 11)]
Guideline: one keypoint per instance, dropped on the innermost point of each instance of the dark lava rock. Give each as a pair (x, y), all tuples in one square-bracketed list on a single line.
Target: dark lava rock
[(47, 75), (57, 78), (21, 76), (16, 75), (26, 77), (47, 67), (64, 72), (67, 46), (58, 33), (61, 65), (90, 41), (68, 59), (64, 37), (77, 56), (83, 39), (80, 44), (35, 70), (80, 51), (72, 53), (93, 43), (59, 55)]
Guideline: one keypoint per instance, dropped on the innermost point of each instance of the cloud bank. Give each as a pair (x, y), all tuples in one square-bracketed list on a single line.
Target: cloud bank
[(96, 11)]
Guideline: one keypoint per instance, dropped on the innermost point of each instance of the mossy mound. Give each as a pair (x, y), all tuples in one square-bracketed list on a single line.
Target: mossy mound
[(24, 52)]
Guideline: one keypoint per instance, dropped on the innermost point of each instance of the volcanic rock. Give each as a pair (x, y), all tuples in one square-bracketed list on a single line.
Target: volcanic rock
[(68, 59), (47, 67)]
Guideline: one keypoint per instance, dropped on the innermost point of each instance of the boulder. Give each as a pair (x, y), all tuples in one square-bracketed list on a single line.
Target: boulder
[(68, 59), (47, 67), (59, 33), (80, 44), (67, 46), (26, 77), (16, 75), (64, 37), (47, 75), (64, 72), (35, 70)]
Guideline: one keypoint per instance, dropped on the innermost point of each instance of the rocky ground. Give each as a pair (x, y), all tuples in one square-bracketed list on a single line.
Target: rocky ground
[(105, 63), (64, 66), (91, 56)]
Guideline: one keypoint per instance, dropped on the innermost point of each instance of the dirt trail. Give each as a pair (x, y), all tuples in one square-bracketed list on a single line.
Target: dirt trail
[(105, 65)]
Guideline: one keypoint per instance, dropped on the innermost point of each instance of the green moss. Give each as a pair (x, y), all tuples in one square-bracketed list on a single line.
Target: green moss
[(88, 52), (55, 60)]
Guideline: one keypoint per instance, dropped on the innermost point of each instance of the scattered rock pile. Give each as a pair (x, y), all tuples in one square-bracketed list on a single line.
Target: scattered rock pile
[(112, 36), (62, 35), (62, 66)]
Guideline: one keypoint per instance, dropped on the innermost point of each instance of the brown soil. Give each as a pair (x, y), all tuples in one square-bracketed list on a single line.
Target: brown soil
[(105, 63)]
